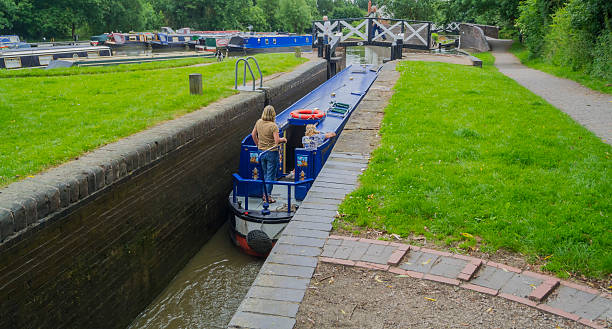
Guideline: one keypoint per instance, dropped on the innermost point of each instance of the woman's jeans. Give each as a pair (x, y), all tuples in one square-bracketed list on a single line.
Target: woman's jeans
[(269, 164)]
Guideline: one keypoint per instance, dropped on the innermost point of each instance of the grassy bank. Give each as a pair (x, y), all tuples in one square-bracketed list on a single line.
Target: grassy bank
[(560, 71), (45, 121), (471, 159), (104, 69)]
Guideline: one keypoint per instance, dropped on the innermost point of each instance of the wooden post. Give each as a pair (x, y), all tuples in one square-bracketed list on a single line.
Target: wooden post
[(195, 84)]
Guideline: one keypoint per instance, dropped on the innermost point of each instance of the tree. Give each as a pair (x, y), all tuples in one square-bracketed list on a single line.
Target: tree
[(347, 12), (295, 15), (7, 14), (413, 9), (271, 9)]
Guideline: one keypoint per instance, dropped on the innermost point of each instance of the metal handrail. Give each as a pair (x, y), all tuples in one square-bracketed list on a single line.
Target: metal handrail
[(246, 64), (238, 179), (258, 69)]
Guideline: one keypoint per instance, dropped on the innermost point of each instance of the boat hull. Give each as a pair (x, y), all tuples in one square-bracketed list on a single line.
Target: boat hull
[(254, 233)]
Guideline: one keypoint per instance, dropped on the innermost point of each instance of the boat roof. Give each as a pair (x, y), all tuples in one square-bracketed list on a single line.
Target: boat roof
[(348, 86), (48, 50)]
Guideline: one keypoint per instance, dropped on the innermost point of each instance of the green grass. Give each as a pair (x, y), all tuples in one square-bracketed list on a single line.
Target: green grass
[(468, 150), (104, 69), (541, 64), (45, 121)]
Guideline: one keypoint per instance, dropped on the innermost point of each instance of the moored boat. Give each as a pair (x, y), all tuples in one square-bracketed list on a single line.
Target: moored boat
[(11, 42), (255, 225), (42, 56), (269, 43)]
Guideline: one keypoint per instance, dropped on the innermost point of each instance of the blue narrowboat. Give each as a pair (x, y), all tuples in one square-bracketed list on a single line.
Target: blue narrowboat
[(169, 41), (269, 43), (255, 225), (42, 56)]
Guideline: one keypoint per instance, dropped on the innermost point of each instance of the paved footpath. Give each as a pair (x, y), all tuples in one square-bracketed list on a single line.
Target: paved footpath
[(589, 108), (274, 298)]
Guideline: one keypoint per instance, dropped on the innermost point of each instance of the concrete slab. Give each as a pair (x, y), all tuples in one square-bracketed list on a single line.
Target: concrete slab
[(448, 267), (521, 285), (295, 231), (310, 225), (569, 299), (419, 261), (287, 270), (302, 241), (596, 308), (278, 258), (279, 281), (280, 294), (329, 250), (260, 321), (359, 250), (378, 254), (273, 307), (290, 249), (492, 277)]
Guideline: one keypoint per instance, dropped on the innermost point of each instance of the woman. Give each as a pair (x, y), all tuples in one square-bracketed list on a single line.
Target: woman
[(265, 135)]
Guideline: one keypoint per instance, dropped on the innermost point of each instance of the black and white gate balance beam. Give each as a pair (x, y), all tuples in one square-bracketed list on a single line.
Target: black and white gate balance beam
[(374, 31)]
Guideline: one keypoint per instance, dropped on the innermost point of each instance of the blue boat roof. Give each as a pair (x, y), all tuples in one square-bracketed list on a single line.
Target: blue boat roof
[(348, 86)]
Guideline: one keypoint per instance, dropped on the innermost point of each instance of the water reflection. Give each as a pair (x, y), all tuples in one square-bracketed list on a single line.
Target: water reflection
[(367, 55), (207, 292)]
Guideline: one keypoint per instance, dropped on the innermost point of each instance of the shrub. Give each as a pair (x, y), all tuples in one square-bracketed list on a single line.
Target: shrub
[(567, 46), (533, 23), (602, 56)]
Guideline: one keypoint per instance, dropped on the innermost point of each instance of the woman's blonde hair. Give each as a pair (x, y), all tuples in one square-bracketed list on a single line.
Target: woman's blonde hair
[(311, 130), (268, 113)]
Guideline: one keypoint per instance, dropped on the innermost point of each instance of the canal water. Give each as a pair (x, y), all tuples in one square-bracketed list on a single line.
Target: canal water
[(207, 292), (367, 55)]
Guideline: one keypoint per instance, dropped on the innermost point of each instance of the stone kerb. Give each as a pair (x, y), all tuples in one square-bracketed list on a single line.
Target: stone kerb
[(26, 204)]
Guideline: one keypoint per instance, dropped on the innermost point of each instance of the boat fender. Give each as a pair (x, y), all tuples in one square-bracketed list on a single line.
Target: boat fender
[(259, 241), (307, 114)]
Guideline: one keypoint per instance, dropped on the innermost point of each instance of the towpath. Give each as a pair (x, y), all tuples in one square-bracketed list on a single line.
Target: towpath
[(589, 108)]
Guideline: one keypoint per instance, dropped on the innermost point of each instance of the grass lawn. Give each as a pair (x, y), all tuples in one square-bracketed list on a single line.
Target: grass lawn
[(471, 159), (45, 121), (560, 71), (104, 69)]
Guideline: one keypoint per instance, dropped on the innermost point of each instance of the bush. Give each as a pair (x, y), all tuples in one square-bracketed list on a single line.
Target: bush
[(602, 57), (534, 25), (567, 46)]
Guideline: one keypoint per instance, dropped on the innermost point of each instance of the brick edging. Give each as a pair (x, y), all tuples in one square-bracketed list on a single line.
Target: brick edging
[(534, 300)]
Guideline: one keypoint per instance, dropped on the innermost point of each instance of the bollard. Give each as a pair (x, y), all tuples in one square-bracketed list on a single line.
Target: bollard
[(195, 84)]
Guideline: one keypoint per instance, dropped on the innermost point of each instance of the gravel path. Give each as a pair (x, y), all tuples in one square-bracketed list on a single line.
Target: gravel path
[(590, 108), (348, 297)]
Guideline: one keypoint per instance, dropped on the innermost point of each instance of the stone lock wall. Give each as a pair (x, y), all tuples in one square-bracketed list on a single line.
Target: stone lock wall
[(90, 243)]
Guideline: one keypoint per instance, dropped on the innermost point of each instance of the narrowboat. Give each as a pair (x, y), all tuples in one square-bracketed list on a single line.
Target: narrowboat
[(255, 225), (12, 41), (42, 56), (269, 43), (211, 43), (169, 41), (128, 40)]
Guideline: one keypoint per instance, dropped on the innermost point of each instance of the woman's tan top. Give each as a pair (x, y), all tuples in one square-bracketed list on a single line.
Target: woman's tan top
[(265, 133)]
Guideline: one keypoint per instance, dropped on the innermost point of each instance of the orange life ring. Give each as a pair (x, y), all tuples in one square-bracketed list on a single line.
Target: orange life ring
[(306, 114)]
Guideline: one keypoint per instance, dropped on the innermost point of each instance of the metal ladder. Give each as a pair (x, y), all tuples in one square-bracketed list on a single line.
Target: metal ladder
[(247, 65)]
